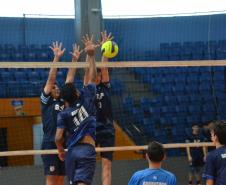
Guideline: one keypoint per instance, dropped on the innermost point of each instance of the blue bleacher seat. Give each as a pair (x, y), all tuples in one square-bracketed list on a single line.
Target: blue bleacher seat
[(155, 110), (20, 76), (33, 76), (18, 56), (138, 115), (218, 76), (4, 56), (208, 108), (195, 109), (194, 119), (180, 78), (116, 86), (6, 76), (170, 100), (128, 104), (178, 88), (168, 109), (181, 109), (164, 51), (208, 118), (183, 99), (166, 89), (30, 56), (191, 88), (60, 77), (145, 103), (186, 52), (210, 52), (3, 91), (205, 87), (43, 74), (194, 98)]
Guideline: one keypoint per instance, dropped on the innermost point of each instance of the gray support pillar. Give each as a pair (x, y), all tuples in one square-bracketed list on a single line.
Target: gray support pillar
[(88, 20)]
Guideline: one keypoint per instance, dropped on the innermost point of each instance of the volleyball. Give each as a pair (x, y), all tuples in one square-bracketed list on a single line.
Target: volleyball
[(109, 49)]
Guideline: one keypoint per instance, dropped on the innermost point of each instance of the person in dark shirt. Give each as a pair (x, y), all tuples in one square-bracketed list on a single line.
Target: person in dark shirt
[(105, 132), (51, 105), (154, 175), (215, 167), (79, 122), (195, 155)]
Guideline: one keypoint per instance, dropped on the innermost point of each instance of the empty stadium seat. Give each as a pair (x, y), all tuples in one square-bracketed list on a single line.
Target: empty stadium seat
[(6, 76), (128, 104), (20, 76)]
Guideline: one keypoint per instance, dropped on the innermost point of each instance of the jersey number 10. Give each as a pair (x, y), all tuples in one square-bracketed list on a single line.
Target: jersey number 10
[(79, 115)]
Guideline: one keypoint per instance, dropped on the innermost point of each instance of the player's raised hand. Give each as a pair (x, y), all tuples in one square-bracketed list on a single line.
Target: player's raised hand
[(89, 45), (105, 37), (76, 52), (57, 49)]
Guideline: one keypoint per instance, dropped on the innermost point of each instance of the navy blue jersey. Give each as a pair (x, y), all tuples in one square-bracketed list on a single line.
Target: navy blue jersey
[(196, 152), (79, 119), (215, 167), (103, 102), (50, 108), (153, 177)]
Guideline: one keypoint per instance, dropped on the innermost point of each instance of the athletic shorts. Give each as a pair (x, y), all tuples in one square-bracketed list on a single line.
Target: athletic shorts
[(52, 164), (195, 170), (80, 164), (105, 137)]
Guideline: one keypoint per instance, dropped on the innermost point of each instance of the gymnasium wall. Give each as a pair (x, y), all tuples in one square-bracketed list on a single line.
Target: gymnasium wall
[(143, 33)]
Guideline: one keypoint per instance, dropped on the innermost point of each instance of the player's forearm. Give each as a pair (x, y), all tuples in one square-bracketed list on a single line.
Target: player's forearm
[(188, 153), (92, 68), (53, 72), (86, 77), (104, 71), (70, 75), (51, 80), (59, 143)]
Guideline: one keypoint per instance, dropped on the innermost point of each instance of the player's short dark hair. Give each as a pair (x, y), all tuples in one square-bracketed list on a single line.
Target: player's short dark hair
[(219, 129), (98, 70), (156, 151), (68, 93)]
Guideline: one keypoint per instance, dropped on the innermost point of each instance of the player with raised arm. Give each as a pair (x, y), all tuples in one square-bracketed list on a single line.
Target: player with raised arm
[(51, 105), (154, 175), (105, 132), (79, 121)]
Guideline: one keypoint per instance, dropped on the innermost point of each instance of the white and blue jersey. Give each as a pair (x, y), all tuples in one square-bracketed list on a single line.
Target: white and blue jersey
[(215, 167), (153, 177), (79, 119), (49, 109)]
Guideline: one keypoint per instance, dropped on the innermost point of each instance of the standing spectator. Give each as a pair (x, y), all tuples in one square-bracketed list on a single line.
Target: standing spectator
[(196, 155)]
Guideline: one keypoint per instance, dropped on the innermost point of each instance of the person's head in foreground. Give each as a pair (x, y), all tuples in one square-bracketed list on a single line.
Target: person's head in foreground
[(218, 133), (155, 154), (154, 174), (69, 93)]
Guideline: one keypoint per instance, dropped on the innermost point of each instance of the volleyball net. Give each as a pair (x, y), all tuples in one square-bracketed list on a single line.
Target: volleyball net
[(158, 102), (169, 76)]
